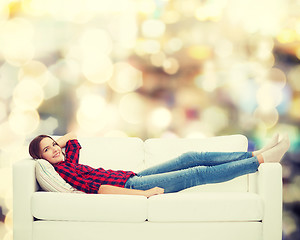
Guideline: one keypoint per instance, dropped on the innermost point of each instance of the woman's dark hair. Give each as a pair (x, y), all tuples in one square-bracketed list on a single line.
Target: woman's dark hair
[(34, 146)]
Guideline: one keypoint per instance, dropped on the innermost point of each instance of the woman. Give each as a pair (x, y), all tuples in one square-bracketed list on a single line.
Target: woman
[(188, 170)]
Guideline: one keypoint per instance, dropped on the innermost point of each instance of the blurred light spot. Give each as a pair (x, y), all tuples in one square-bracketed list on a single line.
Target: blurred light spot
[(298, 52), (91, 114), (286, 36), (246, 100), (169, 134), (256, 19), (77, 12), (4, 11), (132, 108), (8, 235), (207, 82), (34, 70), (268, 116), (92, 106), (290, 224), (9, 139), (286, 102), (145, 6), (16, 41), (171, 66), (28, 94), (195, 135), (151, 46), (223, 48), (52, 86), (268, 96), (97, 68), (160, 118), (8, 217), (124, 30), (95, 41), (115, 133), (16, 30), (66, 70), (18, 54), (139, 47), (72, 52), (173, 45), (200, 52), (208, 79), (153, 28), (209, 12), (125, 78), (24, 122), (264, 48), (36, 7), (294, 108), (170, 17), (74, 10), (294, 78), (83, 90), (3, 111), (158, 59), (8, 80), (110, 7), (215, 118), (277, 77), (188, 97), (5, 177), (3, 229)]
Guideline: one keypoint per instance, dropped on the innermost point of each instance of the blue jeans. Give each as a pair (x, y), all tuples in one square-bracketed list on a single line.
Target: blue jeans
[(194, 168)]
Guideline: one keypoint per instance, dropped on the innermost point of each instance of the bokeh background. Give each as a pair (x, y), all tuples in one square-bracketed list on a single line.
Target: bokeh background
[(150, 68)]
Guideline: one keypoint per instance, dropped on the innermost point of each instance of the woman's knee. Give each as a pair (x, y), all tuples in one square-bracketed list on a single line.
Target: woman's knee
[(190, 155)]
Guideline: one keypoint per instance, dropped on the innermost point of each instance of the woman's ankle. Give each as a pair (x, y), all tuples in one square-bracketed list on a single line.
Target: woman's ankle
[(260, 158)]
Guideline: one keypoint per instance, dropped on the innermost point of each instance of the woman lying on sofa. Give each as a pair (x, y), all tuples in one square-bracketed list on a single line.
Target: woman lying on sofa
[(187, 170)]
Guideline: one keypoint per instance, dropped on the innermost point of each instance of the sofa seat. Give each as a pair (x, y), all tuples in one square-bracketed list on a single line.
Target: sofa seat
[(88, 207), (172, 207), (205, 207)]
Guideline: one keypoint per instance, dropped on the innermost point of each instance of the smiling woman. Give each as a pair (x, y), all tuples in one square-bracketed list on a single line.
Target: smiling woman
[(185, 171), (51, 151), (44, 146)]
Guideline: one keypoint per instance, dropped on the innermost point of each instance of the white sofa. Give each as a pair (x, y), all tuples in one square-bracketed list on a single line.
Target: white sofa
[(248, 207)]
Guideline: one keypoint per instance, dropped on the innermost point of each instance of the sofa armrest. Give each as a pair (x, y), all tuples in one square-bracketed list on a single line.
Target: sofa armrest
[(269, 187), (24, 184)]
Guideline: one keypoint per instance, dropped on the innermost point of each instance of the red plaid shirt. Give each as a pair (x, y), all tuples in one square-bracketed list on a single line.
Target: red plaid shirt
[(86, 178)]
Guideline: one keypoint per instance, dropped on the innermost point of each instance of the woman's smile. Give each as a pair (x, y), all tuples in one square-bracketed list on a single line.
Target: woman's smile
[(51, 151)]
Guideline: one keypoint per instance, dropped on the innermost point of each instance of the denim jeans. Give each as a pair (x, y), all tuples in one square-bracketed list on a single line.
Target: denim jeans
[(194, 168)]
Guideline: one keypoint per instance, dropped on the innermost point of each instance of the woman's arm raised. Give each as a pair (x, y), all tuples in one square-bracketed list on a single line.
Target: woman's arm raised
[(64, 139), (108, 189)]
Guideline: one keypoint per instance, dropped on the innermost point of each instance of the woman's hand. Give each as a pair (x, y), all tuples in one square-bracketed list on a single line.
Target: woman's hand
[(108, 189), (154, 191), (62, 141)]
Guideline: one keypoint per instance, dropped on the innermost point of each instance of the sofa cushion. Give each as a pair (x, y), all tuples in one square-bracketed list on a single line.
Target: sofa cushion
[(112, 153), (192, 207), (158, 150), (50, 180), (88, 207)]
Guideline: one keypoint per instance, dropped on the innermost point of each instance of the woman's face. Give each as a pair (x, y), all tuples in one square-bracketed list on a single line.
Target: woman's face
[(51, 151)]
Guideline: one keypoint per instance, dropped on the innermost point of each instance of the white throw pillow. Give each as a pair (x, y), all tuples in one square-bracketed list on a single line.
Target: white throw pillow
[(50, 180)]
